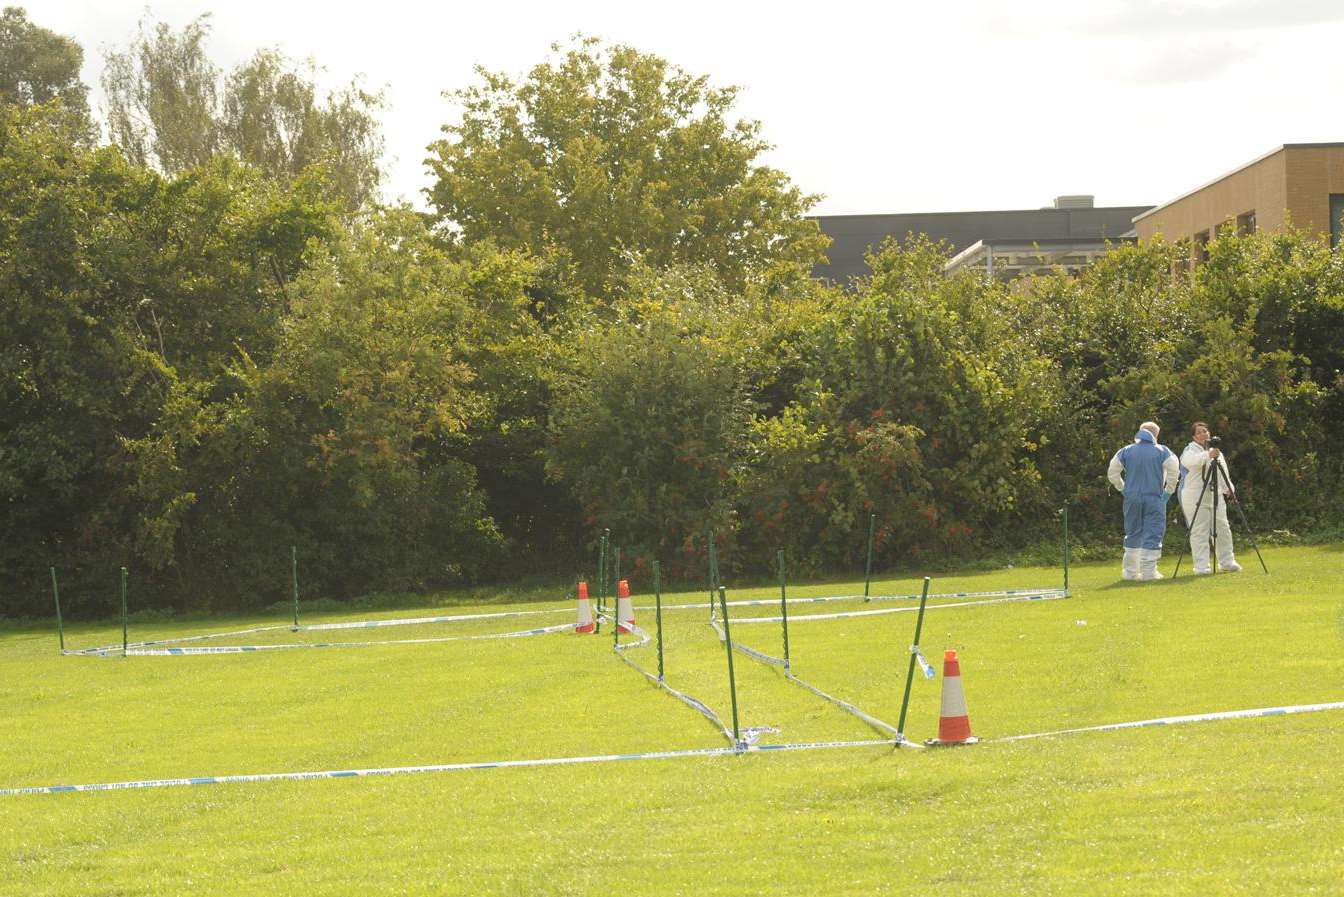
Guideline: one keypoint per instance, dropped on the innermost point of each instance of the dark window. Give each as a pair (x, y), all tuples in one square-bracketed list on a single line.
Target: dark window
[(1246, 223), (1336, 218), (1202, 246)]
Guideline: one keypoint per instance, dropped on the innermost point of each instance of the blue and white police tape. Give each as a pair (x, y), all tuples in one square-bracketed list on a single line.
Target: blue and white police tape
[(1190, 718), (165, 649), (788, 674), (695, 703), (446, 767), (651, 755), (925, 667), (451, 618), (822, 599), (750, 652), (354, 624), (845, 615)]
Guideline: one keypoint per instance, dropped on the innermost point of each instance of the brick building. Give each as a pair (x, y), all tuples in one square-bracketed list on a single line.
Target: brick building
[(1301, 183)]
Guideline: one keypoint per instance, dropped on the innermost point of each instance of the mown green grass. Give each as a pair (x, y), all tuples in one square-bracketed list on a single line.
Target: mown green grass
[(1250, 806)]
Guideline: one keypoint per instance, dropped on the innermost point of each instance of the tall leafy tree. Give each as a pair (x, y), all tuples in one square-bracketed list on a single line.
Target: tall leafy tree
[(172, 108), (38, 66), (604, 154)]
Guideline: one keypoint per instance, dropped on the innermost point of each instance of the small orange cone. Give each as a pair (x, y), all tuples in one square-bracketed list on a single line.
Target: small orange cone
[(954, 723), (585, 623), (625, 611)]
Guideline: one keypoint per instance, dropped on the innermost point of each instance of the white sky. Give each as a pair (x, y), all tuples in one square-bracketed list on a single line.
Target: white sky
[(883, 107)]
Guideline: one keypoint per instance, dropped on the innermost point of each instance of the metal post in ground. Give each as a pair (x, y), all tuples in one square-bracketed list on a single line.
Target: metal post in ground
[(868, 567), (910, 673), (294, 581), (783, 606), (124, 624), (1064, 512), (732, 678), (601, 578), (56, 593), (713, 573), (658, 613)]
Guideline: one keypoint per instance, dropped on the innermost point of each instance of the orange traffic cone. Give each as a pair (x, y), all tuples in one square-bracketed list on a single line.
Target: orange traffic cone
[(625, 611), (954, 723), (585, 623)]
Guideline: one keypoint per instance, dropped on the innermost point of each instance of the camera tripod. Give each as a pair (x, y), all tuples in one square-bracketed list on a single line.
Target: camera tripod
[(1214, 477)]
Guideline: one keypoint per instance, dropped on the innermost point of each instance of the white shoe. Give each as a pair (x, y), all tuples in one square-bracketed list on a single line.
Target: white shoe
[(1205, 572), (1150, 575), (1232, 567)]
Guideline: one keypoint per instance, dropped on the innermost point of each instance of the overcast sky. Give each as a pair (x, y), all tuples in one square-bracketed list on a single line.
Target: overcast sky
[(884, 107)]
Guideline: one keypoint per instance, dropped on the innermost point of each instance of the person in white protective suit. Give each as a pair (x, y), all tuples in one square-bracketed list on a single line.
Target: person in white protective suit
[(1198, 462), (1147, 473)]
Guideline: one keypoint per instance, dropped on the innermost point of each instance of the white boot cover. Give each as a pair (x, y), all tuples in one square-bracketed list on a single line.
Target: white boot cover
[(1129, 565), (1148, 564)]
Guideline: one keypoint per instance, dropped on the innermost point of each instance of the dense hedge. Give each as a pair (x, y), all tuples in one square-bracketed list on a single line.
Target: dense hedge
[(198, 372)]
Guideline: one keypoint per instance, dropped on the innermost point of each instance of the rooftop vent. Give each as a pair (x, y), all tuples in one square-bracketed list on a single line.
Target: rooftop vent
[(1074, 202)]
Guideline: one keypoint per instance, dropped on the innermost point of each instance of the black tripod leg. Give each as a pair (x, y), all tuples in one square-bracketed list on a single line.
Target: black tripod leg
[(1190, 524), (1250, 537), (1213, 517)]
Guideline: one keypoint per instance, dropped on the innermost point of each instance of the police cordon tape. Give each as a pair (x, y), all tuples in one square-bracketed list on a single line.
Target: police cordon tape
[(1255, 713), (161, 646), (441, 767), (788, 674), (822, 599), (190, 650), (844, 615), (695, 703), (649, 755), (317, 627)]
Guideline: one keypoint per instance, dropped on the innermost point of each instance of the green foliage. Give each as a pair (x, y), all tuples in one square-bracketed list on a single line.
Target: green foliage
[(38, 66), (608, 322), (649, 418), (916, 406), (349, 442), (606, 153), (171, 107)]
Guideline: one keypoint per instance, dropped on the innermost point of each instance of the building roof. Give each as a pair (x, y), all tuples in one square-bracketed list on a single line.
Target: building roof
[(852, 236), (1223, 177)]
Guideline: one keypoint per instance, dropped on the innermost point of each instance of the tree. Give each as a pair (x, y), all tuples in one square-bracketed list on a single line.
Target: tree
[(171, 108), (606, 154), (125, 301), (650, 418), (919, 404), (38, 66)]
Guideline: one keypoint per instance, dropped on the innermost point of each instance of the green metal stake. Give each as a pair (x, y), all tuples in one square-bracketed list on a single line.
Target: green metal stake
[(60, 626), (658, 613), (616, 576), (1065, 511), (910, 673), (732, 678), (601, 578), (868, 568), (713, 573), (606, 569), (123, 612), (783, 607), (294, 579), (616, 626)]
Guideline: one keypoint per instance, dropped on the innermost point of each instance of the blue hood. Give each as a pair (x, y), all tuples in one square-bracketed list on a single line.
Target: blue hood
[(1145, 436)]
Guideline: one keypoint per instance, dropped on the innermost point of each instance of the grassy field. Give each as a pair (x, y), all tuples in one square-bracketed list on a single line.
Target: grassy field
[(1247, 806)]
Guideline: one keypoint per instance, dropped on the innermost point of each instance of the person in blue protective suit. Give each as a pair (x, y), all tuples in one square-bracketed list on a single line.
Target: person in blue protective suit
[(1147, 473)]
